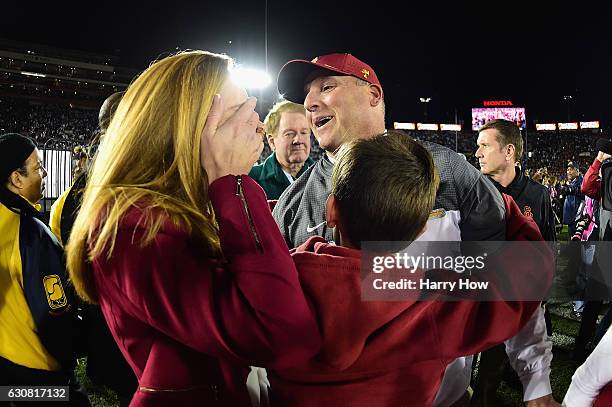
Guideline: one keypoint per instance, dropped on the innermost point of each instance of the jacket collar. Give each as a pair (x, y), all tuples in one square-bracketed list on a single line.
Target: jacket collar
[(272, 168), (516, 186)]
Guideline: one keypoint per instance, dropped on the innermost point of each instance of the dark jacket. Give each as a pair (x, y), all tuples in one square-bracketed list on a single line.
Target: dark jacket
[(533, 200), (573, 197), (50, 297), (271, 177), (190, 325)]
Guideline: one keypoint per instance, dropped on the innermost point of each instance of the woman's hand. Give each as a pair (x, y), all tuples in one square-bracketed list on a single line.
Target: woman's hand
[(233, 147)]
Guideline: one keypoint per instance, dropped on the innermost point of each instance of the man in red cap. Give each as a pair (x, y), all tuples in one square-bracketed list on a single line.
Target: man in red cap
[(344, 100), (347, 104)]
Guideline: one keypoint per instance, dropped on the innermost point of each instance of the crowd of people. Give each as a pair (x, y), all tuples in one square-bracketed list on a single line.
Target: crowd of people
[(187, 282), (47, 122), (548, 151), (63, 126)]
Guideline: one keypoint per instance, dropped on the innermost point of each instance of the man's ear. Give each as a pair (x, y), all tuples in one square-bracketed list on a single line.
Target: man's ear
[(375, 95), (332, 216), (270, 139), (15, 180), (510, 152)]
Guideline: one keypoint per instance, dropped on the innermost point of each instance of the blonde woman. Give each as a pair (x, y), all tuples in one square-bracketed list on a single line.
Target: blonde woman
[(180, 249)]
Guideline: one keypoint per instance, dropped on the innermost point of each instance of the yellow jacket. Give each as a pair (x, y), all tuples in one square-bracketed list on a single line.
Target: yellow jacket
[(19, 341)]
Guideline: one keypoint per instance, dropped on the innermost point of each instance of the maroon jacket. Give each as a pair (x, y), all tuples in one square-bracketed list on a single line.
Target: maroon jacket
[(189, 326), (591, 184), (605, 397), (379, 353)]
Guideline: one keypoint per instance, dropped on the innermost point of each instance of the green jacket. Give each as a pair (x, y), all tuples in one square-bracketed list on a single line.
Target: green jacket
[(271, 177)]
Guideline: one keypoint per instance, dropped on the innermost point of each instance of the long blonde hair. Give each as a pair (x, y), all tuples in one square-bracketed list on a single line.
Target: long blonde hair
[(150, 157)]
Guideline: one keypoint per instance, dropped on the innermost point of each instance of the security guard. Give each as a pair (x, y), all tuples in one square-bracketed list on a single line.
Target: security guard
[(500, 148)]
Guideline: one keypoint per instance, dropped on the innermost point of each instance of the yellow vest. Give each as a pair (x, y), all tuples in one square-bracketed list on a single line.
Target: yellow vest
[(56, 215), (18, 340)]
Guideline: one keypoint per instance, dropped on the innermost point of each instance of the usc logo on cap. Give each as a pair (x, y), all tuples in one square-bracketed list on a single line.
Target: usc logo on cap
[(55, 292), (365, 73)]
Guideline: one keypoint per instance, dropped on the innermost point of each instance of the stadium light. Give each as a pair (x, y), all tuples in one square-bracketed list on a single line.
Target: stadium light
[(427, 126), (403, 126), (568, 126), (251, 78), (568, 100), (26, 73), (425, 102), (450, 127), (546, 126), (589, 125)]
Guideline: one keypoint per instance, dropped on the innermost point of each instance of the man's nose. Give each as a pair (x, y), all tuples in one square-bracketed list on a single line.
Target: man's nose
[(310, 102)]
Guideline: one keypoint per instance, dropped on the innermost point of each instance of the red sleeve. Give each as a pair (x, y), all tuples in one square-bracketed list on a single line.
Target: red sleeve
[(591, 185), (605, 397), (250, 309), (483, 324), (518, 270)]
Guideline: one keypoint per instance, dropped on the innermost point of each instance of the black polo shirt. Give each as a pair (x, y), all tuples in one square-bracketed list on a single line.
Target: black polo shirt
[(534, 200)]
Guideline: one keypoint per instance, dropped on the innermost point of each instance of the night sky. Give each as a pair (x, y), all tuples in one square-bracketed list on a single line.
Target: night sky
[(457, 54)]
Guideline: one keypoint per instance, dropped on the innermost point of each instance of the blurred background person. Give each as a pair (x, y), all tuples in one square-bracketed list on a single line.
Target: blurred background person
[(79, 159), (106, 365), (573, 197)]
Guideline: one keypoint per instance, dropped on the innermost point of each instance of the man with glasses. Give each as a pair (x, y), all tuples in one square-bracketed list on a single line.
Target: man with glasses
[(38, 316)]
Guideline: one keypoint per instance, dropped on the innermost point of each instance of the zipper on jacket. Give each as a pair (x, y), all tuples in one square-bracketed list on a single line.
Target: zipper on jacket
[(214, 389), (145, 389), (240, 194)]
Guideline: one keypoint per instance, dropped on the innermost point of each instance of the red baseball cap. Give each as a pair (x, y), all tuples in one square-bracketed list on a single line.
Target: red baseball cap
[(292, 76)]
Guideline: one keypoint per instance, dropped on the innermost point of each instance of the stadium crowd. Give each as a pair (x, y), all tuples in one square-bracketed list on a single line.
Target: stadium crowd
[(47, 122), (75, 126)]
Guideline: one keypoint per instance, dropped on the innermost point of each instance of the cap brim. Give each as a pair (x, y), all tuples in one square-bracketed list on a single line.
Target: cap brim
[(292, 79)]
